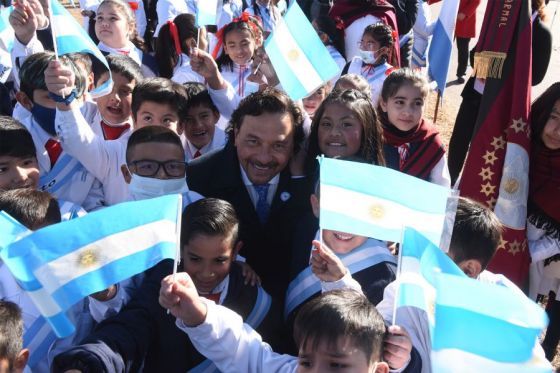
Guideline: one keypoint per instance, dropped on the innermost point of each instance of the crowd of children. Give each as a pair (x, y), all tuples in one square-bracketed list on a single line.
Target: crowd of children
[(200, 111)]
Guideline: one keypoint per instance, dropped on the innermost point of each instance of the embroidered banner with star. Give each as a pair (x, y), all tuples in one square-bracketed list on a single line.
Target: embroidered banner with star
[(60, 264), (378, 202), (497, 165)]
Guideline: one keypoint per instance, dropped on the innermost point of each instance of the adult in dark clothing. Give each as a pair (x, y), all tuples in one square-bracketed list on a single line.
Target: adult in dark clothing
[(252, 173)]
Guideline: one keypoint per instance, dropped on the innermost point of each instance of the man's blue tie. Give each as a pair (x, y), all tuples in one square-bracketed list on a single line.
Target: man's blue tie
[(263, 209)]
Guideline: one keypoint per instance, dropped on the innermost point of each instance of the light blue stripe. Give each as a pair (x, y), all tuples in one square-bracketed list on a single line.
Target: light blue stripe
[(5, 25), (306, 37), (38, 349), (302, 296), (411, 295), (206, 366), (10, 228), (112, 273), (439, 56), (59, 167), (385, 183), (67, 178), (290, 81), (495, 339), (204, 18), (261, 308), (61, 325)]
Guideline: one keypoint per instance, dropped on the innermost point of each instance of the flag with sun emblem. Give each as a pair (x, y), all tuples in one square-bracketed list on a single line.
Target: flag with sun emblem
[(299, 57), (497, 167), (378, 202), (60, 264)]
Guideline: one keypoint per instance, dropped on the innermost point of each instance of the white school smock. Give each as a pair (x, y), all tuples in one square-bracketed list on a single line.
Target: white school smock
[(219, 140), (100, 157), (68, 180), (183, 72)]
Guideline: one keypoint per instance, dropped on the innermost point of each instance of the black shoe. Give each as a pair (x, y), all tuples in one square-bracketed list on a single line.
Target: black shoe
[(460, 79)]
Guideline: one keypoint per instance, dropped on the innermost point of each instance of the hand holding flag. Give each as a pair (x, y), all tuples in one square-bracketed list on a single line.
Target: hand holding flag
[(325, 264)]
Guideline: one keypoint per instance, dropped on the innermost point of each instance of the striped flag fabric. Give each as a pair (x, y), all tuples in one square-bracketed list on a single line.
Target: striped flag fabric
[(439, 54), (63, 263), (7, 37), (378, 202), (300, 59), (72, 38), (207, 12), (420, 260), (484, 327)]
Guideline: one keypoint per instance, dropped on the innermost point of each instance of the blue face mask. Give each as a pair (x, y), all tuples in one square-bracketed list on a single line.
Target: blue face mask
[(45, 117)]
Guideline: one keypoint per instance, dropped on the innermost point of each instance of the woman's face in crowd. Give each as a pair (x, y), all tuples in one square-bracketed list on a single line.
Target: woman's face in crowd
[(551, 132)]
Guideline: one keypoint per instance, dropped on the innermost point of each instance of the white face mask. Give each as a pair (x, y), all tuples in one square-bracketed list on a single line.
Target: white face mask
[(368, 57), (142, 187)]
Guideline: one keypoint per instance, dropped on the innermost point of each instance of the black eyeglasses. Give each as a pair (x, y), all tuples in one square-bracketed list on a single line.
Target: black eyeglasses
[(150, 168)]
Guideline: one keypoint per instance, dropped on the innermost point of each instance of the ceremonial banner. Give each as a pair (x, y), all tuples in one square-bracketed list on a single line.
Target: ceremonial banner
[(497, 165), (60, 264)]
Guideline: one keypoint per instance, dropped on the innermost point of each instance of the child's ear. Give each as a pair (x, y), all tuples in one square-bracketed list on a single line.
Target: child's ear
[(126, 173), (314, 205), (383, 104), (381, 367), (24, 100), (180, 127), (21, 360), (237, 248), (471, 267)]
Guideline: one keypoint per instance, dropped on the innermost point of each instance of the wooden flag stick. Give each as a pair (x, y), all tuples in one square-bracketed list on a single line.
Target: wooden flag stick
[(436, 111)]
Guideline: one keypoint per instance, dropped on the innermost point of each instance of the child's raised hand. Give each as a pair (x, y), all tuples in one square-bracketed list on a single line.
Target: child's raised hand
[(261, 60), (325, 264), (397, 347), (203, 64), (59, 79), (24, 21), (178, 294)]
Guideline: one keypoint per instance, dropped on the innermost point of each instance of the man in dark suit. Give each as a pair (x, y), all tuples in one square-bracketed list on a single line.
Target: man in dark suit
[(252, 173)]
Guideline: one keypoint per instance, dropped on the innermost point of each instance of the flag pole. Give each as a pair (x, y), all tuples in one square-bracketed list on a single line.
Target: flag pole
[(437, 106), (397, 290), (178, 238), (53, 34)]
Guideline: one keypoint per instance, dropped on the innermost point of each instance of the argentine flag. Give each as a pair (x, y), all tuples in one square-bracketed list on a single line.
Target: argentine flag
[(439, 54), (483, 327), (377, 202), (419, 261), (7, 37), (300, 59), (207, 12), (61, 264), (71, 38)]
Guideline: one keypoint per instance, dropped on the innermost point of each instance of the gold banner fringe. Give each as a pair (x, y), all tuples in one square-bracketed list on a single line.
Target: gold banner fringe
[(489, 64)]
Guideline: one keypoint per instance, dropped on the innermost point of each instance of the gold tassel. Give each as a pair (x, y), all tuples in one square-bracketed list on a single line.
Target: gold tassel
[(489, 64)]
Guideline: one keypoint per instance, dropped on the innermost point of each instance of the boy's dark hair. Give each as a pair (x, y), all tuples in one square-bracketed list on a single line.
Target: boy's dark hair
[(210, 217), (476, 233), (198, 96), (32, 73), (541, 109), (11, 331), (15, 139), (341, 313), (270, 101), (151, 134), (83, 58), (161, 91), (33, 208), (123, 65)]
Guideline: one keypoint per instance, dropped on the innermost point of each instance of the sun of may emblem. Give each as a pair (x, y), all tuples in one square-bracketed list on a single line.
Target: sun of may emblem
[(88, 258), (293, 54), (376, 212), (511, 186)]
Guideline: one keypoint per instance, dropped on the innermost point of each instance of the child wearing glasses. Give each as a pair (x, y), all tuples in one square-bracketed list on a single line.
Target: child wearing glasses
[(377, 57), (155, 102)]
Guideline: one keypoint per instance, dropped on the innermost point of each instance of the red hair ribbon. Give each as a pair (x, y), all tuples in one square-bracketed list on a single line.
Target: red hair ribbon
[(175, 36), (394, 34), (133, 5), (246, 18), (339, 24)]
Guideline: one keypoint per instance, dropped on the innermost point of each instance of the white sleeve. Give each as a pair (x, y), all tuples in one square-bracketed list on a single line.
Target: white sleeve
[(20, 52), (225, 99), (541, 246), (234, 346), (346, 282), (440, 173), (98, 156)]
